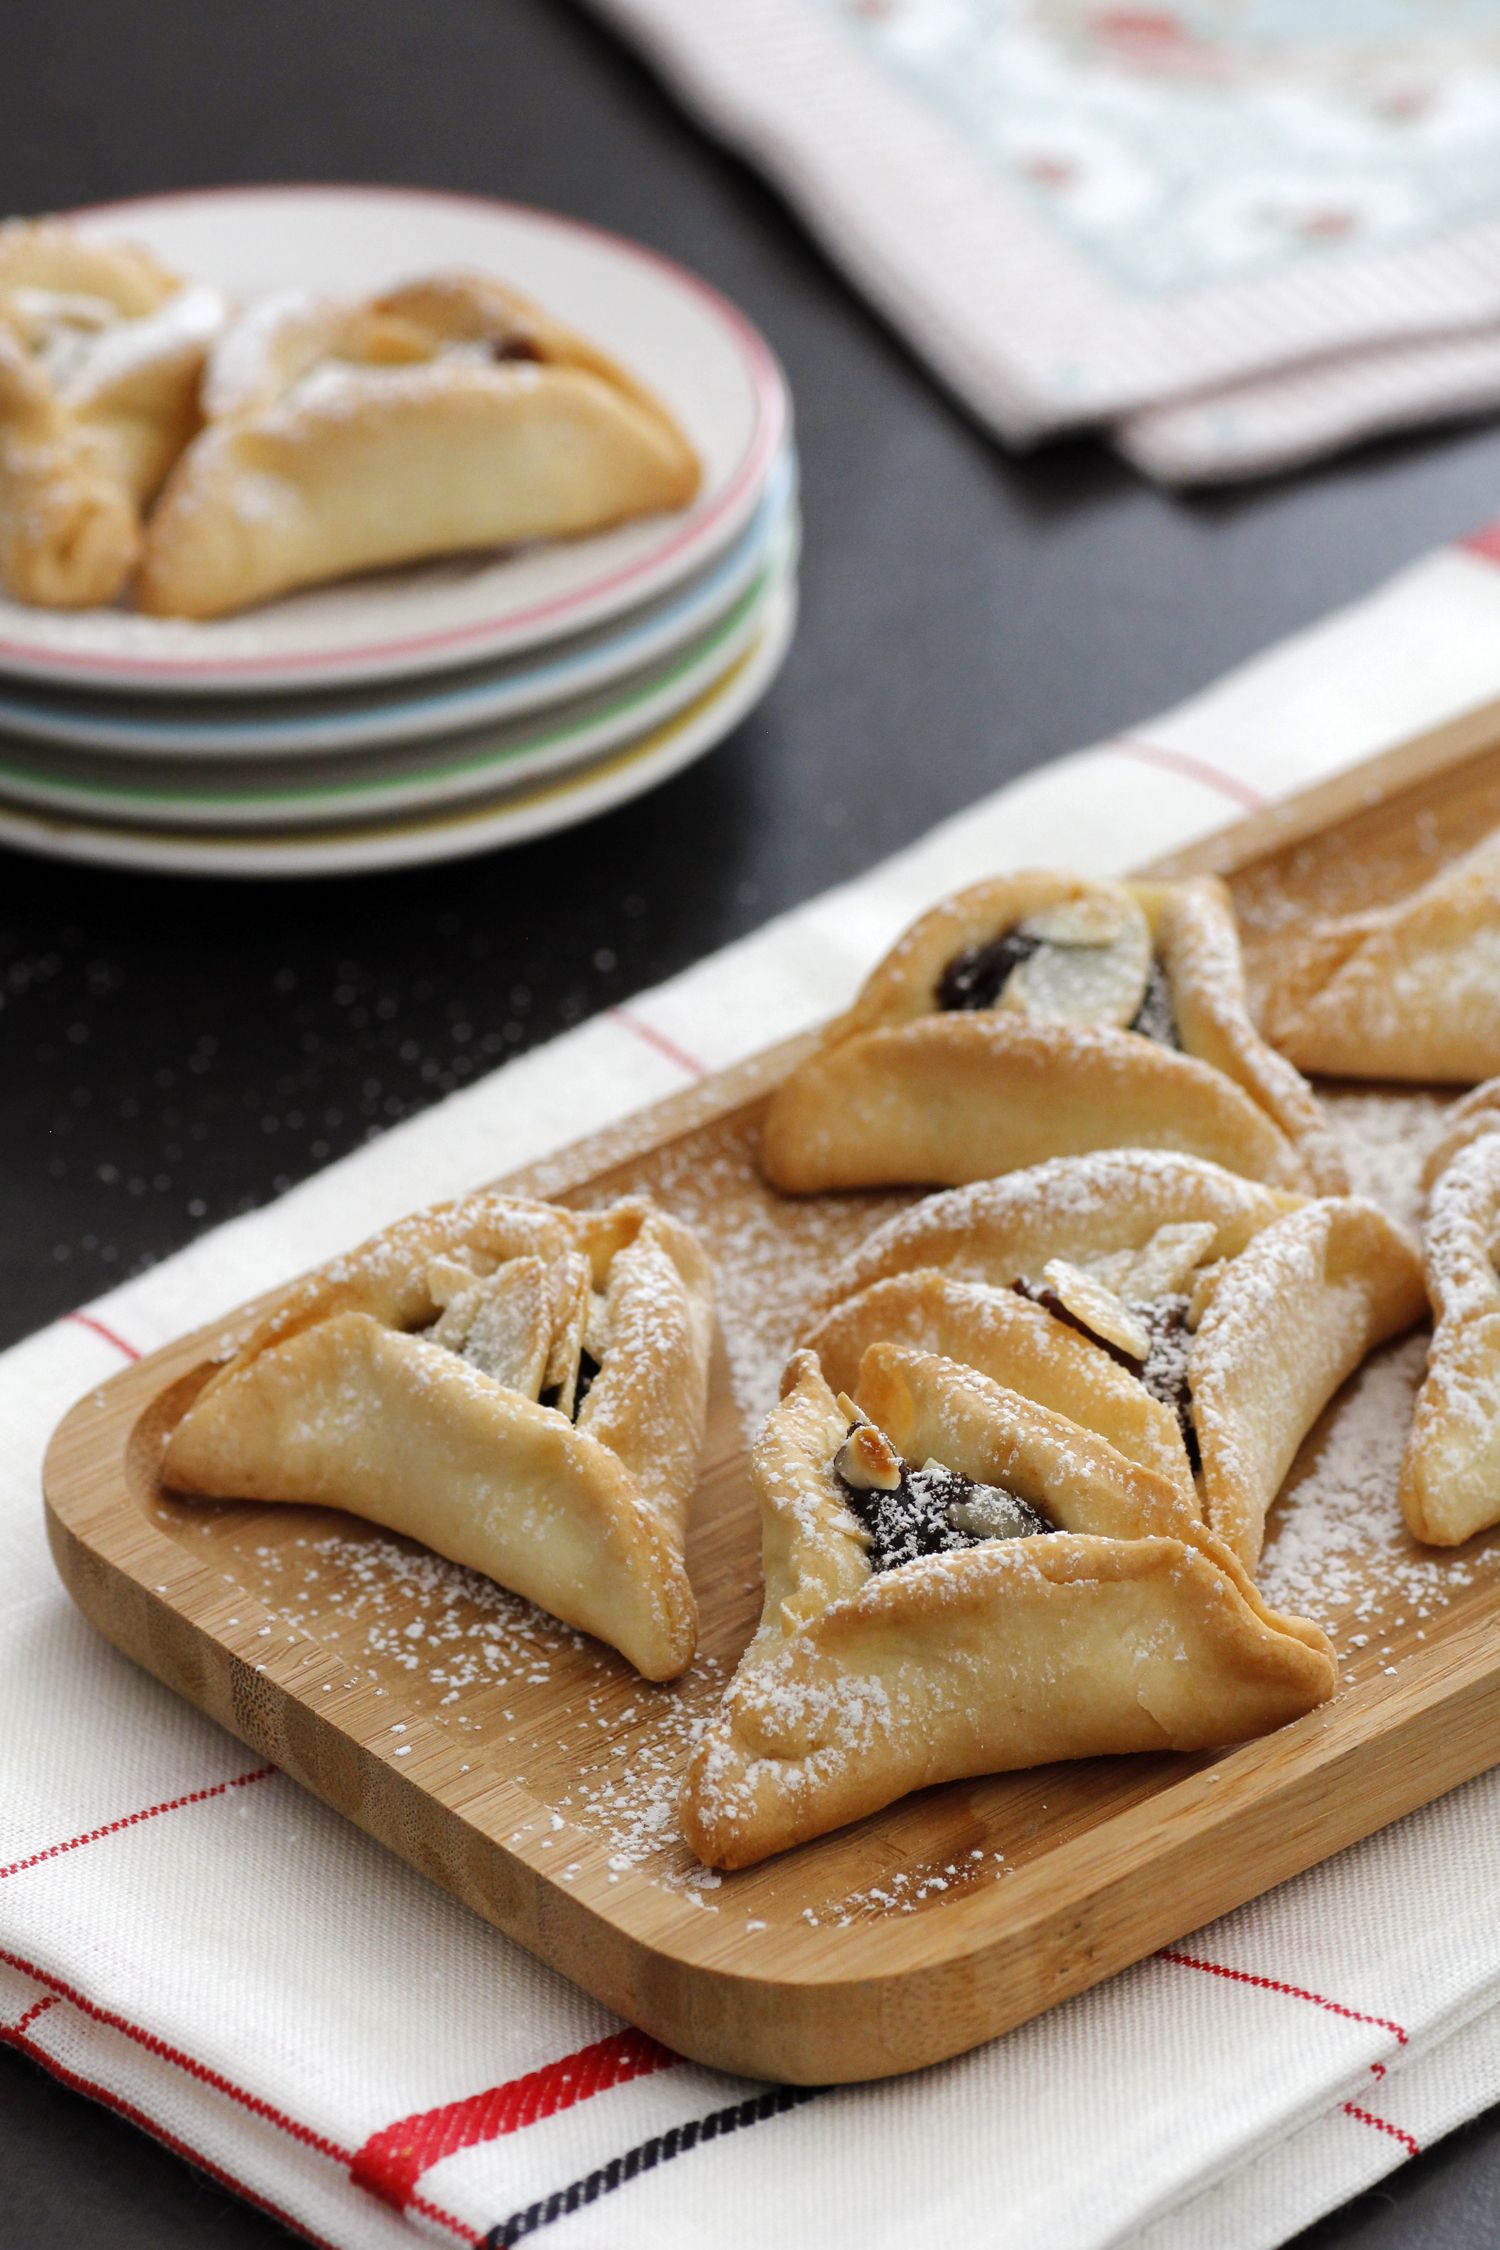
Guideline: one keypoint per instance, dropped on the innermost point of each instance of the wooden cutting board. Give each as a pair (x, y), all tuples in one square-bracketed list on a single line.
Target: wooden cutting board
[(533, 1775)]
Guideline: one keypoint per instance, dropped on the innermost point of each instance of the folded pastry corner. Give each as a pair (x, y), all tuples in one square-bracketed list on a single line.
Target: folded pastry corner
[(101, 350), (446, 416), (1198, 1321), (959, 1581), (1045, 1014), (520, 1386), (1450, 1472), (1407, 991)]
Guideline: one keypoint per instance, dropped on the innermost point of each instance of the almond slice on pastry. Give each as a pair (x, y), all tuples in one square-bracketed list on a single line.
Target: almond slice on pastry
[(447, 416), (476, 1419), (1026, 1594), (1255, 1304), (1450, 1473), (1409, 991), (1044, 1014), (101, 350)]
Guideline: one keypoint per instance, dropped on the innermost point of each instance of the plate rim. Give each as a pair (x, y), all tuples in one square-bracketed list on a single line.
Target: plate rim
[(710, 593), (419, 653), (463, 830), (466, 765)]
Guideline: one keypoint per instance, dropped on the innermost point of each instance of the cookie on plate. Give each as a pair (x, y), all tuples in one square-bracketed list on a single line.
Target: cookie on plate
[(448, 415), (101, 350)]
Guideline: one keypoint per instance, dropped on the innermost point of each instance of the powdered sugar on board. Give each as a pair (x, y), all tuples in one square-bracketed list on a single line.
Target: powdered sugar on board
[(771, 1257), (601, 1754)]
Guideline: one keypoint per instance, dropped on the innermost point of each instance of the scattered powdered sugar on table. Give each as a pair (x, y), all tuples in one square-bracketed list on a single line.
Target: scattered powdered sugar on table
[(1337, 1547), (603, 1754), (1385, 1138), (767, 1271), (1339, 1550)]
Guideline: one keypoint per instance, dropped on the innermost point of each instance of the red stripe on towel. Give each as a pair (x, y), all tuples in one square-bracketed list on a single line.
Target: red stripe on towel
[(1289, 1991), (1196, 769), (159, 2047), (394, 2159), (1485, 543), (648, 1033), (134, 1819), (87, 1320), (1384, 2125), (14, 2036)]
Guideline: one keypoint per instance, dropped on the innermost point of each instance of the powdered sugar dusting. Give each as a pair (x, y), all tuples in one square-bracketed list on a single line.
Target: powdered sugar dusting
[(1385, 1138), (602, 1753), (772, 1260)]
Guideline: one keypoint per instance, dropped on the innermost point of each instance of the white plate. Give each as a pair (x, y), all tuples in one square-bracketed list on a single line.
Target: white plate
[(702, 356), (512, 819), (197, 728), (409, 778)]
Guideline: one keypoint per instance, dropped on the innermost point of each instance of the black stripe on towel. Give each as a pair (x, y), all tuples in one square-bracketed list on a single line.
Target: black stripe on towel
[(644, 2157)]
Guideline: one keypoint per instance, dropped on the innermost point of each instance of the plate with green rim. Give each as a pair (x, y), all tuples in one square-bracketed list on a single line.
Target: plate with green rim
[(513, 816), (303, 792)]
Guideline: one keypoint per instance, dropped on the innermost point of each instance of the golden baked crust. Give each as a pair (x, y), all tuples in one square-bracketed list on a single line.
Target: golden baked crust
[(100, 355), (1002, 1334), (1410, 991), (1275, 1299), (1476, 1113), (916, 1083), (1450, 1472), (1130, 1627), (448, 415), (405, 1382)]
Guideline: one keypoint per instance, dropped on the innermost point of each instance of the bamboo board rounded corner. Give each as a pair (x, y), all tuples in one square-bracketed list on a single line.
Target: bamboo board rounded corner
[(793, 1969)]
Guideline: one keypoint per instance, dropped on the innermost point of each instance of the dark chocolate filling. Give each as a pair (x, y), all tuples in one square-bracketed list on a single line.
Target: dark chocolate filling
[(916, 1519), (976, 976), (504, 348), (588, 1369), (1164, 1370), (1156, 1018)]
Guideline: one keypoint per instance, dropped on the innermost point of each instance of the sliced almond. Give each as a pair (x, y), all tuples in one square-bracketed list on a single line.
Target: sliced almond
[(570, 1292), (1164, 1266), (448, 1278), (867, 1461), (1205, 1282), (502, 1326), (1092, 963), (596, 1327), (1097, 1308)]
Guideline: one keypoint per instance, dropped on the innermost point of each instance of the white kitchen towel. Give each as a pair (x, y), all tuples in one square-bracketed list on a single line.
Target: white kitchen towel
[(1190, 221), (188, 1937)]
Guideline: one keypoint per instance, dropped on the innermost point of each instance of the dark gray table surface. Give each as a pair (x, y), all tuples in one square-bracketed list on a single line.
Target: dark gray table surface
[(172, 1052)]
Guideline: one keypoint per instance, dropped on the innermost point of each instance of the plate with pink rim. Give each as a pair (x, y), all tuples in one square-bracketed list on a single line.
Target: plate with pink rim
[(702, 356), (457, 832)]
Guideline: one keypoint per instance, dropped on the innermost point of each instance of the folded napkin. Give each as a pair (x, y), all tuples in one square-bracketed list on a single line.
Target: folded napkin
[(1238, 237), (190, 1939)]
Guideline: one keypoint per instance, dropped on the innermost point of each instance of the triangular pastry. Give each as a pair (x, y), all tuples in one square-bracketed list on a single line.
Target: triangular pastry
[(521, 1387), (1410, 991), (101, 350), (960, 1582), (1039, 1015), (1198, 1321), (1450, 1472), (448, 415)]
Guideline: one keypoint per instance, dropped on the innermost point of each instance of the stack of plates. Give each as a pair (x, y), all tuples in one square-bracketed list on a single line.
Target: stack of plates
[(435, 711)]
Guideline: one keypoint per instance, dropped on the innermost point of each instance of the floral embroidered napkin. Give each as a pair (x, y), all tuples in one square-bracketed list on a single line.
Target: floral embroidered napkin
[(1237, 236)]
